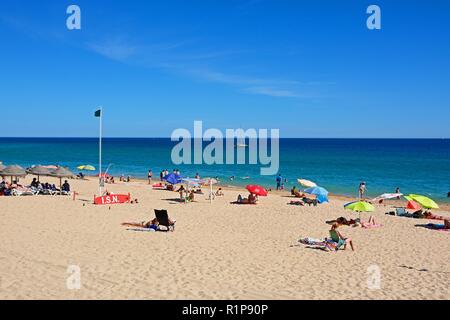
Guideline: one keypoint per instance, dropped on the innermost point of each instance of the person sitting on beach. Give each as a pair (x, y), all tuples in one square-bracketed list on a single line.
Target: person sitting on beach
[(337, 237), (219, 192), (66, 186), (191, 196), (34, 183), (80, 175)]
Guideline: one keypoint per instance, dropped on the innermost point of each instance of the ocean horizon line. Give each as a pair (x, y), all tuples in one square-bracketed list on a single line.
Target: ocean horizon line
[(286, 138)]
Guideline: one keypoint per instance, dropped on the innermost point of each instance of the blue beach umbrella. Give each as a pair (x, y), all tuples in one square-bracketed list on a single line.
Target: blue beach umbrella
[(173, 178), (319, 192)]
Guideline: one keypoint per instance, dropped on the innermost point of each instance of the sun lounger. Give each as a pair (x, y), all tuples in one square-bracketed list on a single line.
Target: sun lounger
[(163, 219), (23, 192)]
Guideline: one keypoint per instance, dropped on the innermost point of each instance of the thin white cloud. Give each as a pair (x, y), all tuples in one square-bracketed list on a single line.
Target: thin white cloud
[(272, 92), (115, 50)]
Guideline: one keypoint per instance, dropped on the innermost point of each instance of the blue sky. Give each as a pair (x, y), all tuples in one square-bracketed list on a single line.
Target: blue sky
[(309, 68)]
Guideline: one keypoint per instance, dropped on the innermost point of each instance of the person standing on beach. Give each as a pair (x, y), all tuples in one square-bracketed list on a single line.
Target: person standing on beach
[(362, 189), (279, 179), (150, 176), (397, 190)]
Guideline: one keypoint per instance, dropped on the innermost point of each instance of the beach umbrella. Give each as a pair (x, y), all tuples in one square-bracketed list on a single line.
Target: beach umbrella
[(307, 183), (423, 201), (103, 175), (210, 182), (191, 182), (173, 178), (60, 173), (320, 193), (386, 196), (316, 191), (87, 167), (359, 206), (51, 167), (39, 171), (257, 190), (13, 171), (412, 205)]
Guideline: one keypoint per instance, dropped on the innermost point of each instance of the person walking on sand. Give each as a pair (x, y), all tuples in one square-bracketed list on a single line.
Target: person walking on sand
[(362, 189), (150, 176), (279, 179), (397, 190)]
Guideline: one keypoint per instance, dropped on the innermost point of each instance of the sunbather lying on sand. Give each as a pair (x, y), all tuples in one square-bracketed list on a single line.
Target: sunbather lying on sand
[(431, 216), (250, 200), (355, 223), (152, 224)]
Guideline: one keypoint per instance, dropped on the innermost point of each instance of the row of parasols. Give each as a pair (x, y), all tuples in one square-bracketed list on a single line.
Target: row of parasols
[(15, 171), (414, 201)]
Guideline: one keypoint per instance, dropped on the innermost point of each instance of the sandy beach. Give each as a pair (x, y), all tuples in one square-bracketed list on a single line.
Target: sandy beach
[(218, 250)]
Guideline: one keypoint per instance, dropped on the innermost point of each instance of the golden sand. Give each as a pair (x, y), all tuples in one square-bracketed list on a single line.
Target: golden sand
[(218, 250)]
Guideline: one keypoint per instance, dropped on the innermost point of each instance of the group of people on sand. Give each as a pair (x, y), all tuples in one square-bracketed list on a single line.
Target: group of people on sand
[(165, 173), (420, 214), (186, 195), (35, 187)]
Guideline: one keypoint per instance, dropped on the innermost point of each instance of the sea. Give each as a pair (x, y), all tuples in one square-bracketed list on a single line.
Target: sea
[(420, 166)]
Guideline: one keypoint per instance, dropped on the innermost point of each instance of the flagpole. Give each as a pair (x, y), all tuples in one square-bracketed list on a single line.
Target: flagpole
[(100, 154)]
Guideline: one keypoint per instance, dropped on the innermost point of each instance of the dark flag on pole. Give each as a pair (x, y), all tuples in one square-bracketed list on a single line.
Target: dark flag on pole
[(98, 113)]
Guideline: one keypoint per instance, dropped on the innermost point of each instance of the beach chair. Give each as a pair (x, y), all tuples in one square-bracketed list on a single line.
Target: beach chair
[(163, 219)]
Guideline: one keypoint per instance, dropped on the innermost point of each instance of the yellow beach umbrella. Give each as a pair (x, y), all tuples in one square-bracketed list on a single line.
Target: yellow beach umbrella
[(86, 167), (360, 206), (423, 201)]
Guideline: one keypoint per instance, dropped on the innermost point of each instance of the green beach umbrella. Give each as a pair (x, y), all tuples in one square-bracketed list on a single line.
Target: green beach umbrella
[(360, 206), (423, 201)]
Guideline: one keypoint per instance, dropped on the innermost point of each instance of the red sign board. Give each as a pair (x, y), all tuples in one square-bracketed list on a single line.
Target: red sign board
[(112, 199)]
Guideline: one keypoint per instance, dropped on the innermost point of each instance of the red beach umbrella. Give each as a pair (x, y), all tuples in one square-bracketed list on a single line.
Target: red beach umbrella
[(412, 205), (103, 175), (258, 190)]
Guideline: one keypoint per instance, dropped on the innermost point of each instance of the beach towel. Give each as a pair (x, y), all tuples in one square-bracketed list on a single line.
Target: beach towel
[(437, 227), (326, 244)]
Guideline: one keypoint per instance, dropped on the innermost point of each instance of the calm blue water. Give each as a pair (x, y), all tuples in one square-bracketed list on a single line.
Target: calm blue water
[(416, 166)]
